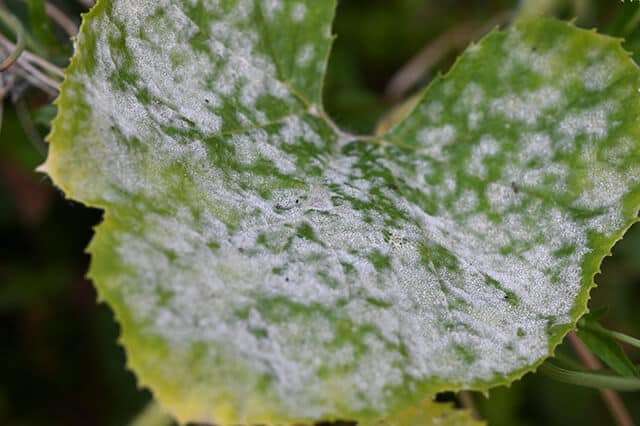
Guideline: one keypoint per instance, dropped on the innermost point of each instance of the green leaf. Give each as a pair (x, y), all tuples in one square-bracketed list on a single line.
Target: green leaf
[(41, 25), (152, 415), (608, 350), (427, 413), (594, 315), (590, 323), (431, 413), (267, 267), (626, 19)]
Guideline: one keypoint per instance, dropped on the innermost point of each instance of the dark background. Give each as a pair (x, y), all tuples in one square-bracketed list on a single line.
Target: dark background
[(60, 363)]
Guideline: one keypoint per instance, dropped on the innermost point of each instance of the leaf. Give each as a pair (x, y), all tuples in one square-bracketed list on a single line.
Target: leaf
[(594, 315), (603, 342), (608, 350), (152, 415), (431, 413), (269, 268), (625, 21), (41, 26)]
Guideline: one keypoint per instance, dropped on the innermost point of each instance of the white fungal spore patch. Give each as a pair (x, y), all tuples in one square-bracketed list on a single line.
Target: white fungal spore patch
[(271, 7), (299, 12), (593, 122), (486, 148), (527, 107), (305, 56), (434, 140), (283, 263)]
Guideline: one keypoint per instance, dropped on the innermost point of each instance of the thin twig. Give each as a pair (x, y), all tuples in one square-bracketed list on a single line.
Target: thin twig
[(37, 78), (11, 21), (595, 380), (5, 87), (466, 401), (7, 82), (27, 72), (611, 398), (455, 38), (60, 18), (29, 41), (534, 8), (28, 59), (597, 328), (33, 58), (23, 70)]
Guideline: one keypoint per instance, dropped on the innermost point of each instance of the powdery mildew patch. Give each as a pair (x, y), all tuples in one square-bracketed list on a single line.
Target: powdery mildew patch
[(276, 257)]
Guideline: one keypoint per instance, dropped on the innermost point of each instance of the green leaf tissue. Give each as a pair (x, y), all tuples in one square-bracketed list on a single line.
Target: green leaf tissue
[(267, 267)]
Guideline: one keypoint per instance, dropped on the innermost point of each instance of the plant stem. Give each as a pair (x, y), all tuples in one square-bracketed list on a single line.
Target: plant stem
[(12, 22), (611, 398), (590, 380), (567, 362), (432, 53), (466, 401), (60, 18), (31, 73), (530, 8), (597, 328), (33, 58)]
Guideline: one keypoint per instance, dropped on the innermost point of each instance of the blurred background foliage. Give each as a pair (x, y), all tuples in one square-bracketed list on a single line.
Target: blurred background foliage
[(60, 363)]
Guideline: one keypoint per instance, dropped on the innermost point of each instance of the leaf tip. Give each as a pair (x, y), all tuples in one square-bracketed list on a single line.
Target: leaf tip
[(43, 168)]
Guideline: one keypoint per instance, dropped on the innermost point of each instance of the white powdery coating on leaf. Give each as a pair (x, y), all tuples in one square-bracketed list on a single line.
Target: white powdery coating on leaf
[(467, 203), (175, 78), (435, 139), (527, 107), (306, 55), (299, 12), (182, 97), (471, 103), (602, 73), (414, 308), (271, 7), (267, 274), (535, 146), (486, 148), (502, 197), (593, 122), (519, 53), (433, 111), (255, 145)]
